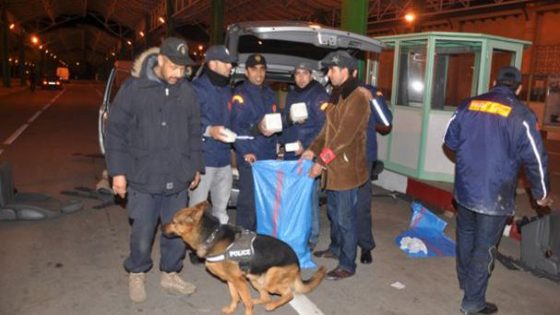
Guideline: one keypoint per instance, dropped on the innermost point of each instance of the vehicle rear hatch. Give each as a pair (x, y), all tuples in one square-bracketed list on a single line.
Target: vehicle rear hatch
[(284, 44)]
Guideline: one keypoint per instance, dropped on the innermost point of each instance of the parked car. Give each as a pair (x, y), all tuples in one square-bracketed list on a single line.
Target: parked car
[(50, 83), (284, 44)]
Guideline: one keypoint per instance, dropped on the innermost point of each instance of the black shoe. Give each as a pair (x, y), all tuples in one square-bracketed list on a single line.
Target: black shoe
[(490, 308), (366, 258), (325, 254), (195, 260), (338, 274)]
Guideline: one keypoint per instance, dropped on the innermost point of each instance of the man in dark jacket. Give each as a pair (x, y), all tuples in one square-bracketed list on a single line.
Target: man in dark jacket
[(340, 151), (213, 94), (251, 101), (380, 121), (299, 134), (153, 153), (492, 135)]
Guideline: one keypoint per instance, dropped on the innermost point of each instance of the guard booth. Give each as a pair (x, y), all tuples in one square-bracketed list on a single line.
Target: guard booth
[(425, 76)]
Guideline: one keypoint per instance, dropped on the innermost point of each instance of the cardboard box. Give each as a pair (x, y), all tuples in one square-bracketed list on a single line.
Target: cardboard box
[(298, 112), (273, 122)]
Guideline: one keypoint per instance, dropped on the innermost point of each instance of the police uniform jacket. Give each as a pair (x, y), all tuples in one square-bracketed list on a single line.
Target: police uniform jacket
[(380, 114), (313, 95), (153, 132), (249, 105), (344, 133), (213, 101), (492, 135)]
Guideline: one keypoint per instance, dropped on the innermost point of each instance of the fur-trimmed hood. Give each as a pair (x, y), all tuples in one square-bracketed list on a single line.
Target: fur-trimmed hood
[(141, 62)]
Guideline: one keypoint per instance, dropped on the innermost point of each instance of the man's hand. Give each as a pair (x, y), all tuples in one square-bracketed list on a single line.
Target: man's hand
[(315, 170), (195, 181), (546, 202), (119, 185), (307, 155), (216, 132), (264, 132), (250, 158)]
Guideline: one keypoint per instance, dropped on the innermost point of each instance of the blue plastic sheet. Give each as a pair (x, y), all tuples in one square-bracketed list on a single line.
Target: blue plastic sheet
[(283, 193), (430, 229)]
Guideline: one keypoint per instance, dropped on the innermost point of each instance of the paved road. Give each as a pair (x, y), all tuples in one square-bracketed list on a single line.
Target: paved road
[(72, 264)]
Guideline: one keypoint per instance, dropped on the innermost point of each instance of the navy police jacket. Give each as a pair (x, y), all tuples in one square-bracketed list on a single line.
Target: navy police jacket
[(492, 135), (153, 133), (314, 96), (380, 114), (249, 105), (213, 101)]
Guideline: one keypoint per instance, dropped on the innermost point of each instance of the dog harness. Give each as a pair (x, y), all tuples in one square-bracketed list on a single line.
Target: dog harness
[(241, 250)]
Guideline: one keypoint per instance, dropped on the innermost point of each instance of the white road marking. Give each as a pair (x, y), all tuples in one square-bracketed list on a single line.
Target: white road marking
[(20, 130), (303, 306)]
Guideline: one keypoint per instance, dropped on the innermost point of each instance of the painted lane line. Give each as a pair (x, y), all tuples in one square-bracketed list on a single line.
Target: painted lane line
[(303, 306), (16, 134), (30, 120), (20, 130)]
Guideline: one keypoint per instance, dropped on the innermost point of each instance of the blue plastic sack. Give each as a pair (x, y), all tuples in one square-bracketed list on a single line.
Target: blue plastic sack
[(283, 193), (429, 228)]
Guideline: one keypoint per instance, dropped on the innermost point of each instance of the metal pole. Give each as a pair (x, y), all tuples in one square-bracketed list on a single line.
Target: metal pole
[(354, 14), (217, 24), (5, 51), (22, 60)]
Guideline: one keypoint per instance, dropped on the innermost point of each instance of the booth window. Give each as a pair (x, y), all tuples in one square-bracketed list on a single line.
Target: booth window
[(455, 73), (412, 70)]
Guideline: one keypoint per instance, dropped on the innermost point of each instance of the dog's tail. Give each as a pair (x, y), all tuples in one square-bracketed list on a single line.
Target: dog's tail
[(306, 286)]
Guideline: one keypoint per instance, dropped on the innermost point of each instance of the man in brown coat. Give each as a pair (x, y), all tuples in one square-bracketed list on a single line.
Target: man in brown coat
[(339, 153)]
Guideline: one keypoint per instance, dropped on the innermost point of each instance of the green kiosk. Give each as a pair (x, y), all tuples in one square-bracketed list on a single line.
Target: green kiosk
[(425, 76)]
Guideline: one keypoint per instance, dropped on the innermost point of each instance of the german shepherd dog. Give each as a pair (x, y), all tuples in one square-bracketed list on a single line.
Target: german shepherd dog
[(273, 267)]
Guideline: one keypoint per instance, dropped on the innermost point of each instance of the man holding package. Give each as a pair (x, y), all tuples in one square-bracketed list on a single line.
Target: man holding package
[(304, 118), (339, 151), (213, 94), (255, 120)]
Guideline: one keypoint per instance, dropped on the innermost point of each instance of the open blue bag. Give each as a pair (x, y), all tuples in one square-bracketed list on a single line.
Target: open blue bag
[(283, 193), (429, 228)]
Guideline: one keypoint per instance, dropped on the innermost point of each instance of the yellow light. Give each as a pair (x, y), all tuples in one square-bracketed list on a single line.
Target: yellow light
[(12, 26), (77, 63), (40, 46), (161, 19), (200, 47), (34, 39), (410, 17), (46, 51), (129, 43), (141, 34)]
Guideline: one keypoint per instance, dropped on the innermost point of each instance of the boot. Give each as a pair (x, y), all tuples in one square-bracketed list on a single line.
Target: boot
[(136, 288), (171, 282)]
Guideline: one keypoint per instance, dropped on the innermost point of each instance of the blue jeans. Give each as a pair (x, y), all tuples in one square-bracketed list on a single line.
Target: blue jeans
[(477, 237), (245, 214), (146, 210), (365, 232), (343, 213), (315, 214)]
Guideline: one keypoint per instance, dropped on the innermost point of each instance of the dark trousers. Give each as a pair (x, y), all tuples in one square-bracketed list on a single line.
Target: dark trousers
[(477, 237), (342, 211), (245, 215), (146, 211), (364, 226)]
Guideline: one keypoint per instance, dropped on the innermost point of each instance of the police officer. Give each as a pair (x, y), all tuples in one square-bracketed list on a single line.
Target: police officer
[(492, 135), (251, 101), (312, 94), (380, 121), (213, 94)]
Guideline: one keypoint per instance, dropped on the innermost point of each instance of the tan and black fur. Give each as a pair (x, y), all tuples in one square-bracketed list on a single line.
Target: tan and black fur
[(274, 269)]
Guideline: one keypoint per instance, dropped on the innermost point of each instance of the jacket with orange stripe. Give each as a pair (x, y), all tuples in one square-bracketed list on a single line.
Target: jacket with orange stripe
[(493, 135), (249, 105)]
